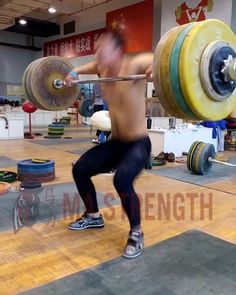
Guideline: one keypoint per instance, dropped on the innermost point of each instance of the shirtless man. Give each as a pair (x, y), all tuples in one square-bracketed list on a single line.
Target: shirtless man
[(130, 146)]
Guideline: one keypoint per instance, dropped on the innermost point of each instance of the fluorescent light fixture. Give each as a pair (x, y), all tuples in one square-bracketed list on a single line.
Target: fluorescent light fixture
[(22, 21), (51, 10)]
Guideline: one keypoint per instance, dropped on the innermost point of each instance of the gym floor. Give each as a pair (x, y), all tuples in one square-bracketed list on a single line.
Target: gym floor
[(189, 225)]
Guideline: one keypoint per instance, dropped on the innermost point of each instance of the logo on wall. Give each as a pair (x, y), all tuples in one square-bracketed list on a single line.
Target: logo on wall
[(185, 14)]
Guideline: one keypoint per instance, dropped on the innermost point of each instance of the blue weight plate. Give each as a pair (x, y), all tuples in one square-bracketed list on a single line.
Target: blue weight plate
[(28, 163), (55, 126), (36, 171), (86, 108)]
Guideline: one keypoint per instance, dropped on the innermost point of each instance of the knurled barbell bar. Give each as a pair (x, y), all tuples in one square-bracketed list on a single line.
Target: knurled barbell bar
[(194, 74), (58, 84), (201, 157)]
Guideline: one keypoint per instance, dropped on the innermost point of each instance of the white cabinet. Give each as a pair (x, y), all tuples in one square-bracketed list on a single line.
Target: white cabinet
[(38, 118), (15, 128), (3, 129), (178, 140)]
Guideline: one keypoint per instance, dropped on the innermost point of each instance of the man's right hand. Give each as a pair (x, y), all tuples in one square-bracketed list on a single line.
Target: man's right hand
[(71, 77)]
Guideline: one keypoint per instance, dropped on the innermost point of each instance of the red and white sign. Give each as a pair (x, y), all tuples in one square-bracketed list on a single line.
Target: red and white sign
[(185, 14), (178, 12), (79, 45)]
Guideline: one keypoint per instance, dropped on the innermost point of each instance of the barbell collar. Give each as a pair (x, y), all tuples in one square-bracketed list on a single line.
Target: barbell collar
[(58, 84), (229, 70)]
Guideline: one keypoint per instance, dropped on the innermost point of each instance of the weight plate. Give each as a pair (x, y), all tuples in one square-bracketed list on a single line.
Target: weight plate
[(86, 108), (201, 157), (27, 79), (42, 75), (161, 77), (7, 176), (175, 73), (199, 37), (190, 155)]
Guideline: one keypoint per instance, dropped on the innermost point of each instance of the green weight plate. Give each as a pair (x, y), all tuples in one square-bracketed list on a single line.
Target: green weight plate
[(175, 73)]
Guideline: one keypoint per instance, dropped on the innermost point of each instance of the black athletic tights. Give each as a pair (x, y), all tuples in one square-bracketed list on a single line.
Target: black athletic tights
[(127, 158)]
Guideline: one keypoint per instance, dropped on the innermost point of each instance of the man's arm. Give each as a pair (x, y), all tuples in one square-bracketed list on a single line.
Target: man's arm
[(89, 68), (142, 64)]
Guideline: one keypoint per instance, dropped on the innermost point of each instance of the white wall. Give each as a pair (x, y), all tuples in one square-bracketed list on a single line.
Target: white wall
[(13, 62), (222, 10)]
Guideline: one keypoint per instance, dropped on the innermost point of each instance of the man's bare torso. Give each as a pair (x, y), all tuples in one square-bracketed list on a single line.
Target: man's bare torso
[(126, 104)]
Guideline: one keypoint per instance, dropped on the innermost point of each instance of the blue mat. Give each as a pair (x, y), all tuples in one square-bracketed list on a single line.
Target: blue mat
[(192, 263), (43, 205), (61, 141), (7, 162), (216, 173)]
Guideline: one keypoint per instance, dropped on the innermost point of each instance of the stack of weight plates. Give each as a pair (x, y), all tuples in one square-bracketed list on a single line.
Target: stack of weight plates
[(33, 172), (7, 176), (55, 131), (187, 69), (65, 121)]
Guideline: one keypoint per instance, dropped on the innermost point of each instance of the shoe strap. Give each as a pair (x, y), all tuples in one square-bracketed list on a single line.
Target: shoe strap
[(134, 236)]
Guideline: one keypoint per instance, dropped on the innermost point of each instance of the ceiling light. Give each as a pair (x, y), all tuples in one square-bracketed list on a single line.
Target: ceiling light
[(51, 10), (22, 21)]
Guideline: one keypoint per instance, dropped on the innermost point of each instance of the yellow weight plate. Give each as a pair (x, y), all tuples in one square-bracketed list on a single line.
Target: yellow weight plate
[(199, 37), (43, 73), (27, 79), (161, 73)]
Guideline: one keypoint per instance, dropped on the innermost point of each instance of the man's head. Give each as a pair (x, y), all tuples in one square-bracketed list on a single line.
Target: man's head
[(110, 48)]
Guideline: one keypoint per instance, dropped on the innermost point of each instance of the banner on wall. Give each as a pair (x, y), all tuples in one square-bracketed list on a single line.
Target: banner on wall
[(15, 90), (74, 46), (185, 14), (135, 22)]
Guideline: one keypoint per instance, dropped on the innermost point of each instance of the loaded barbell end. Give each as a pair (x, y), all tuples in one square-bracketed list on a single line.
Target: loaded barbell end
[(212, 160)]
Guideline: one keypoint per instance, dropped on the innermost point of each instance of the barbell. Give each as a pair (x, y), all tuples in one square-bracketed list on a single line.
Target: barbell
[(201, 157), (194, 74)]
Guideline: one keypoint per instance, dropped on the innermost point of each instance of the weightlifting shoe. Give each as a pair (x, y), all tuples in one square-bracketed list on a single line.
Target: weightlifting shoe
[(134, 246), (87, 221)]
